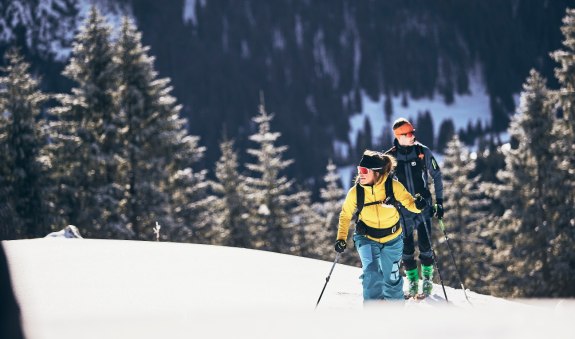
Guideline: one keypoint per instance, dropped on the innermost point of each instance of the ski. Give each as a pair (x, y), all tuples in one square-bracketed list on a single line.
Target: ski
[(417, 297), (420, 296)]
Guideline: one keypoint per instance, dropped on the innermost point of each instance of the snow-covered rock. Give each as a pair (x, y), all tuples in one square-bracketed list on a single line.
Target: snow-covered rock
[(69, 231)]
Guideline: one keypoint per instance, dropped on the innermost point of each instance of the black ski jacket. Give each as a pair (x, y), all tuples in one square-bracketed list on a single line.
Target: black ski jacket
[(414, 166)]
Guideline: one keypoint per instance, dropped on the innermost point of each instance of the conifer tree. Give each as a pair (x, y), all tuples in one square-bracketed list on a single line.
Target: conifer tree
[(163, 184), (523, 264), (465, 219), (6, 205), (308, 228), (332, 197), (268, 190), (425, 131), (22, 177), (446, 132), (364, 137), (564, 156), (323, 230), (85, 149), (189, 199), (230, 210), (388, 108), (566, 70), (368, 135)]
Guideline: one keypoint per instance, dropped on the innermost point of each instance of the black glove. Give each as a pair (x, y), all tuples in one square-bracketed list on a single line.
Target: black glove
[(420, 202), (439, 209), (340, 246)]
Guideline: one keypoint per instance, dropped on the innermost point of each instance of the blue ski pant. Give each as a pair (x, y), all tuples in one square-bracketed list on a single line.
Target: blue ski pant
[(380, 264)]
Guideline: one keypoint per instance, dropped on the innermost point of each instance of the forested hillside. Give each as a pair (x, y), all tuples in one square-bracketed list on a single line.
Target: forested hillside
[(313, 60), (108, 148)]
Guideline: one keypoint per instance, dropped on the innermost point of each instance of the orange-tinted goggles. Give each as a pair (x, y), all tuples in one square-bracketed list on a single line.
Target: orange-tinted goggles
[(365, 170), (409, 134)]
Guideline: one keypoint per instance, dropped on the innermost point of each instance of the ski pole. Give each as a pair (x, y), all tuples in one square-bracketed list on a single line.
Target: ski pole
[(452, 258), (434, 258), (327, 279)]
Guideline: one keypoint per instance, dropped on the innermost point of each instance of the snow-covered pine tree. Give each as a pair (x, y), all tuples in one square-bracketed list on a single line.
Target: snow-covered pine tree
[(523, 263), (564, 155), (307, 226), (189, 199), (465, 220), (332, 197), (22, 178), (159, 153), (269, 192), (230, 211), (85, 145), (565, 73)]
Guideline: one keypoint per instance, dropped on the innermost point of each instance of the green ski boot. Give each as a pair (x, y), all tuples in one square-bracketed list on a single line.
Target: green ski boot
[(413, 278), (427, 273)]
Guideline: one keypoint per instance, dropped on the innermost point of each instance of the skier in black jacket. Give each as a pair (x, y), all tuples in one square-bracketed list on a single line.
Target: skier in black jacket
[(415, 163)]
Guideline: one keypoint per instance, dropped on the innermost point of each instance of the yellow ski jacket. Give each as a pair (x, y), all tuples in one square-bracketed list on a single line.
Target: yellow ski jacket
[(378, 215)]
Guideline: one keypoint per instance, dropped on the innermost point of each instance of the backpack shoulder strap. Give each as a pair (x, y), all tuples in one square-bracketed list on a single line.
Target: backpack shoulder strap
[(389, 191), (389, 196), (392, 150), (359, 198), (421, 156)]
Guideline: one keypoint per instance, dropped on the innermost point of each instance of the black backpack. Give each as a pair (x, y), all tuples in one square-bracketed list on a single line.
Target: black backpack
[(418, 150), (360, 197)]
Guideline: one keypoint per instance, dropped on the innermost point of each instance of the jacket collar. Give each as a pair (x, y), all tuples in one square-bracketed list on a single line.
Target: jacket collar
[(403, 149), (379, 184)]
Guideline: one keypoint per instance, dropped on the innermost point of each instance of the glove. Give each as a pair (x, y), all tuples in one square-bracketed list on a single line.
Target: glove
[(439, 209), (340, 246), (420, 203)]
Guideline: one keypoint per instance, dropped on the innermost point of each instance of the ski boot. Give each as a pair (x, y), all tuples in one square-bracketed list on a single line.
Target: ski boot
[(413, 279), (427, 273)]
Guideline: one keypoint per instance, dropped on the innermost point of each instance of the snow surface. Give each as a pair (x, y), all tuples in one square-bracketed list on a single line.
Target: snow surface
[(189, 14), (84, 288)]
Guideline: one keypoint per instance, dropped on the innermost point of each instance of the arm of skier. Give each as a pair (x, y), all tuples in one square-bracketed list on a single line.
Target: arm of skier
[(346, 214), (404, 197), (435, 173)]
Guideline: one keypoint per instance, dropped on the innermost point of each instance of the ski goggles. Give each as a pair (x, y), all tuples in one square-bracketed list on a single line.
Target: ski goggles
[(409, 134), (365, 170)]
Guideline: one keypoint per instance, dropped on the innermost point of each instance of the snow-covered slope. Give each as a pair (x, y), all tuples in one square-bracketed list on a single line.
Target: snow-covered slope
[(81, 288)]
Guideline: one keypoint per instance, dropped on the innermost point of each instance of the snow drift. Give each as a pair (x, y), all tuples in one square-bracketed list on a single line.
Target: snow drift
[(83, 288)]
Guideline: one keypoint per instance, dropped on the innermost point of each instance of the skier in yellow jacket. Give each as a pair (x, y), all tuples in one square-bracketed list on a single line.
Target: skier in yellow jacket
[(378, 235)]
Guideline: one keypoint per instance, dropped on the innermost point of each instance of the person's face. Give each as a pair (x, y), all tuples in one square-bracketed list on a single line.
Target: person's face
[(406, 139), (366, 175)]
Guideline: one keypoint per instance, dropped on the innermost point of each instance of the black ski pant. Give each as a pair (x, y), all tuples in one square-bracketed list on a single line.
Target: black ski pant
[(412, 222)]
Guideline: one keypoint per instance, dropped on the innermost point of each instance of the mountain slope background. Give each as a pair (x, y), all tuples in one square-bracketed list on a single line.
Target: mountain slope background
[(314, 62)]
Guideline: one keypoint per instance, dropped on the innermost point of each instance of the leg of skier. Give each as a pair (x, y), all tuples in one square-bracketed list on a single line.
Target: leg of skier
[(425, 251), (389, 263), (372, 278)]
